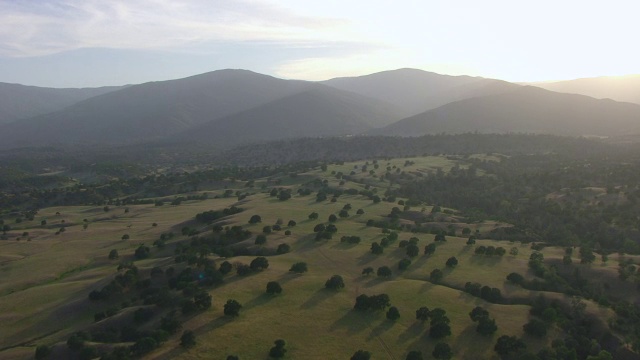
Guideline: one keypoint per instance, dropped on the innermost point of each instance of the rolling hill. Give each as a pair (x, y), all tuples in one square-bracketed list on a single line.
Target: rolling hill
[(22, 102), (153, 110), (320, 111), (159, 110), (226, 108), (415, 91), (524, 110), (618, 88)]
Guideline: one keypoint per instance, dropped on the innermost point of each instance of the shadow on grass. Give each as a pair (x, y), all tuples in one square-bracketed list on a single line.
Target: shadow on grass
[(286, 277), (366, 258), (481, 346), (258, 300), (380, 329), (397, 253), (375, 281), (477, 259), (412, 331), (213, 325), (308, 242), (465, 249), (343, 245), (419, 261), (353, 322), (318, 297)]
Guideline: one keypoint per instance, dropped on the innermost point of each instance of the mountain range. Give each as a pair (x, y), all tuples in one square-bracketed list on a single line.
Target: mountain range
[(618, 88), (226, 108)]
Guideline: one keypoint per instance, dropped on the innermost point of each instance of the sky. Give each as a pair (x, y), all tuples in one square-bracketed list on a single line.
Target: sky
[(88, 43)]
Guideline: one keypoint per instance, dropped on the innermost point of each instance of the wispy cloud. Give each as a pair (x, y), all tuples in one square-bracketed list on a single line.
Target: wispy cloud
[(45, 27)]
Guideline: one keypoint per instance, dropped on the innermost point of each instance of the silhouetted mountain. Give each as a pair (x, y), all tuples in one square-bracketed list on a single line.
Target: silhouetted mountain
[(231, 107), (152, 110), (21, 102), (319, 111), (524, 110), (415, 91), (618, 88)]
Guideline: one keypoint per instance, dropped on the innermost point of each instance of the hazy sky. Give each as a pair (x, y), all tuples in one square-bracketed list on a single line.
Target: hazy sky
[(74, 43)]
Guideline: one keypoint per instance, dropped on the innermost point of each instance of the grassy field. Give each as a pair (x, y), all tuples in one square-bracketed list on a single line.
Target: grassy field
[(46, 278)]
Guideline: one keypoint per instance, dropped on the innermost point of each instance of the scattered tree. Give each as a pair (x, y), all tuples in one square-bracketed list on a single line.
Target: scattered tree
[(509, 345), (361, 355), (452, 262), (442, 351), (260, 239), (334, 283), (376, 248), (260, 263), (278, 350), (299, 267), (384, 271), (486, 326), (393, 314), (436, 275), (232, 308), (430, 249), (422, 314), (188, 339), (273, 287), (412, 250), (283, 248), (404, 264), (42, 352), (535, 328)]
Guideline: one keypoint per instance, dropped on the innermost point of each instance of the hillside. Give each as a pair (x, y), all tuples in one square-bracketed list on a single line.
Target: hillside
[(152, 110), (415, 91), (22, 102), (524, 110), (321, 111), (618, 88), (249, 106)]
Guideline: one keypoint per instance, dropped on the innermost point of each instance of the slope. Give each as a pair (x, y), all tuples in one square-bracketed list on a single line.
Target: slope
[(528, 109), (21, 102), (619, 88), (152, 110), (319, 111), (415, 91)]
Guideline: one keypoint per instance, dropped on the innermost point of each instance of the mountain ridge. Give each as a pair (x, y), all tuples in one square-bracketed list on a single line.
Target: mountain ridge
[(233, 106), (526, 110)]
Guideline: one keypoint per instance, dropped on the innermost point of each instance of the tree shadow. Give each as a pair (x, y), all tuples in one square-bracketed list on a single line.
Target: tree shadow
[(485, 260), (343, 245), (375, 281), (286, 277), (366, 258), (465, 249), (258, 300), (462, 340), (307, 243), (319, 296), (353, 321), (380, 329), (412, 331), (398, 253), (214, 324)]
